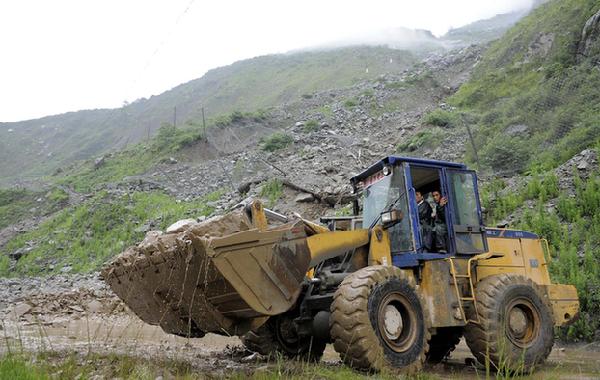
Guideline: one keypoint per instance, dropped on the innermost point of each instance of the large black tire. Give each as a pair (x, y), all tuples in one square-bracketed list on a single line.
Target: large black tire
[(277, 336), (516, 330), (442, 343), (364, 320)]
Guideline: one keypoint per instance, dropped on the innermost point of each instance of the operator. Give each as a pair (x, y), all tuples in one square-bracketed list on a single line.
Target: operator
[(440, 229), (425, 221)]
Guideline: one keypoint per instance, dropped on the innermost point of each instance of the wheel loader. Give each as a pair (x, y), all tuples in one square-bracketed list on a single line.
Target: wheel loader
[(372, 284)]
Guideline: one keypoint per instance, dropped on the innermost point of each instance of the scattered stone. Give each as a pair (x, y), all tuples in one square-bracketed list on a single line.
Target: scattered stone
[(98, 162), (21, 309), (66, 269), (517, 130), (304, 198), (172, 161), (95, 306)]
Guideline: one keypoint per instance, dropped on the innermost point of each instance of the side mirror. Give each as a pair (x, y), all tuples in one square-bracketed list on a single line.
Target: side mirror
[(390, 218)]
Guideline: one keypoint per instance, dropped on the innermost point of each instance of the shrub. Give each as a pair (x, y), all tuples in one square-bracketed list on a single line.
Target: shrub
[(507, 154), (311, 126), (276, 141), (426, 138), (441, 118), (272, 190), (350, 103)]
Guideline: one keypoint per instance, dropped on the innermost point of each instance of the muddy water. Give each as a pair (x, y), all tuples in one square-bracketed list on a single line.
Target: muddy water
[(126, 334)]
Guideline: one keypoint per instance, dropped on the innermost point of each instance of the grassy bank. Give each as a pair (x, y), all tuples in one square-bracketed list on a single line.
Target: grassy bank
[(85, 236)]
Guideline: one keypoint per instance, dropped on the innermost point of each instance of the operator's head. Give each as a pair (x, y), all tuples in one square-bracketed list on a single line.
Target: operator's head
[(437, 196), (419, 196)]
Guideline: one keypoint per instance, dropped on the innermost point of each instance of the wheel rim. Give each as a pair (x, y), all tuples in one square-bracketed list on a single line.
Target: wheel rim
[(397, 322), (522, 323), (286, 334)]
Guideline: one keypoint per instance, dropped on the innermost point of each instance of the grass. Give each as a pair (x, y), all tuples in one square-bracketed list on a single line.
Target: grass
[(554, 95), (272, 190), (441, 118), (85, 236), (427, 138), (276, 141), (257, 83), (573, 231), (51, 365), (311, 126), (19, 204)]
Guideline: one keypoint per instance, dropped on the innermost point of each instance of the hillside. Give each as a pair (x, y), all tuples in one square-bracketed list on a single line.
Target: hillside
[(38, 147), (531, 100), (34, 148), (534, 105)]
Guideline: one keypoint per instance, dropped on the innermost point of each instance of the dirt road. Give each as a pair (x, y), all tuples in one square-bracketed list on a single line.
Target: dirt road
[(80, 315)]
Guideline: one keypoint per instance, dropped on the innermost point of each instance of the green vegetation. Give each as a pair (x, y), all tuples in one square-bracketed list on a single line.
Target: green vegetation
[(441, 118), (428, 138), (534, 77), (19, 204), (311, 126), (325, 111), (350, 103), (238, 116), (135, 160), (170, 139), (276, 141), (247, 85), (272, 190), (85, 236), (51, 365), (535, 104), (573, 231)]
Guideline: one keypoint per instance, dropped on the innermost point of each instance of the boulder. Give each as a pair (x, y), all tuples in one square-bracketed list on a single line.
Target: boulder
[(589, 44), (21, 309), (304, 198), (180, 225)]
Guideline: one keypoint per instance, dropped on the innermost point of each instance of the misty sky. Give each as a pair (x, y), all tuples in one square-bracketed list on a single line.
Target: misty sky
[(59, 56)]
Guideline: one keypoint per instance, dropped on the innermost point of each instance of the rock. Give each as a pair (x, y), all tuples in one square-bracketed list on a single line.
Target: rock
[(95, 306), (299, 124), (76, 308), (172, 160), (66, 269), (304, 198), (583, 165), (590, 38), (150, 236), (21, 309), (180, 225), (99, 162), (143, 228), (517, 129)]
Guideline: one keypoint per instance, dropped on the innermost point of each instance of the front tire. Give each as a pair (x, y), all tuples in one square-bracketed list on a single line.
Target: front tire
[(378, 320), (278, 336), (516, 329)]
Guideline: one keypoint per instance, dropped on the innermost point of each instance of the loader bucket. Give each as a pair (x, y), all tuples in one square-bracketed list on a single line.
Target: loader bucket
[(218, 276)]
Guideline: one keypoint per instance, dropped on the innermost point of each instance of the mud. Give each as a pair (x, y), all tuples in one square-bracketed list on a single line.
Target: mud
[(79, 314), (218, 355), (168, 279)]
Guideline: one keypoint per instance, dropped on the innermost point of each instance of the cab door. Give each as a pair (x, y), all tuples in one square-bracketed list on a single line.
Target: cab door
[(466, 219)]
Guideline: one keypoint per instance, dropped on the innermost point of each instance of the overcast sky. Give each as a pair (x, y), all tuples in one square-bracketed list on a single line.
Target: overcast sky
[(59, 56)]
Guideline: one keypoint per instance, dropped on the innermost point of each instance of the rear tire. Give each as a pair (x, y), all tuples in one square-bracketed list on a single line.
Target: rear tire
[(378, 320), (278, 336), (516, 329), (442, 343)]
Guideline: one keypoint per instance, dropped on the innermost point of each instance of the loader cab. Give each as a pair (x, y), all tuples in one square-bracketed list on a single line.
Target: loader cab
[(391, 185)]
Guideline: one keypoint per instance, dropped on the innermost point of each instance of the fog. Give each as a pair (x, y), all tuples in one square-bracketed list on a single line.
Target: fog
[(64, 55)]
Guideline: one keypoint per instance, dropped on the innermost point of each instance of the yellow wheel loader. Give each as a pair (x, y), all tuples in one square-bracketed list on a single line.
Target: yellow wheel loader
[(389, 288)]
